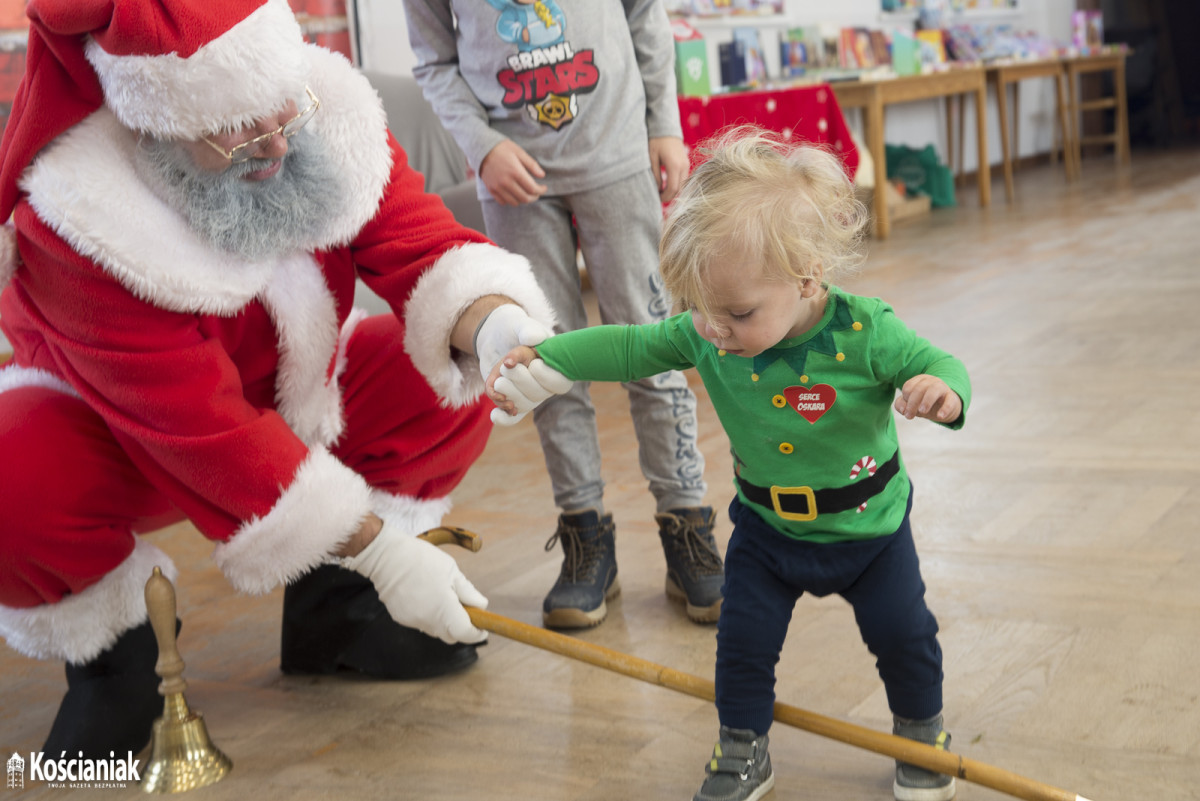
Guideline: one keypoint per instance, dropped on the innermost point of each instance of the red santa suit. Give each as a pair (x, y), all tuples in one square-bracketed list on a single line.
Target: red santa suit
[(155, 378)]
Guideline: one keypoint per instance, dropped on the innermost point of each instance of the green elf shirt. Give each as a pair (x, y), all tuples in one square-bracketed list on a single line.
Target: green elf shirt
[(815, 411)]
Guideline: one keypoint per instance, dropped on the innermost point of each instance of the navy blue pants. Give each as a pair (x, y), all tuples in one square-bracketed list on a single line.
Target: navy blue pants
[(766, 572)]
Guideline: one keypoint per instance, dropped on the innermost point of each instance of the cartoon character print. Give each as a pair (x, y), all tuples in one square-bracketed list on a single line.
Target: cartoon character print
[(546, 75), (529, 24)]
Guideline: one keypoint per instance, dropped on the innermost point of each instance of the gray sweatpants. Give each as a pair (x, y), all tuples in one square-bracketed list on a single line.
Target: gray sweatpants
[(617, 227)]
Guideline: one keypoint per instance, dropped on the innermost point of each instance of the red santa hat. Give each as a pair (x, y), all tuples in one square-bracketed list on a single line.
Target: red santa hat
[(175, 69)]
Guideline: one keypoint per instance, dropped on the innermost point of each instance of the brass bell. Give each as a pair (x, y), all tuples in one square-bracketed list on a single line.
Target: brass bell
[(182, 757)]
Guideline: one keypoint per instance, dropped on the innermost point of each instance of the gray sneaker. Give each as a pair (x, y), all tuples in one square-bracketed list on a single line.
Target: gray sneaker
[(914, 783), (588, 577), (695, 572), (740, 768)]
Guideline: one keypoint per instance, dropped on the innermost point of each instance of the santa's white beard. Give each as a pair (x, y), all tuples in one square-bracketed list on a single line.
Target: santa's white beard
[(251, 219)]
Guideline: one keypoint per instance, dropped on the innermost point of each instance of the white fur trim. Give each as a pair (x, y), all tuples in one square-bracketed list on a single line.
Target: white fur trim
[(354, 125), (305, 317), (15, 377), (84, 186), (320, 510), (9, 256), (80, 627), (253, 68), (460, 277), (357, 315), (408, 514)]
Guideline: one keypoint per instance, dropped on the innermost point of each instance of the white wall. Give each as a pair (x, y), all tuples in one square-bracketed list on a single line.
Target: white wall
[(383, 37)]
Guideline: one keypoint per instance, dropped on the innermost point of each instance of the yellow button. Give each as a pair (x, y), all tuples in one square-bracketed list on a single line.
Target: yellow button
[(786, 447), (857, 326), (721, 352), (754, 376), (779, 401), (803, 379), (841, 357)]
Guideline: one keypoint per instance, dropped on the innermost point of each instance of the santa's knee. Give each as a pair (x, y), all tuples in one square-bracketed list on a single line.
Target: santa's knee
[(103, 634)]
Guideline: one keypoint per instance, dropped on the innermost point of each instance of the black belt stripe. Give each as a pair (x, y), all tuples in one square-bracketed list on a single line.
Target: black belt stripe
[(830, 500)]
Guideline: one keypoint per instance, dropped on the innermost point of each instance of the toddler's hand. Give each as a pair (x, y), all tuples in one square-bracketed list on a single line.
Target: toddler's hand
[(928, 397), (520, 382), (521, 354)]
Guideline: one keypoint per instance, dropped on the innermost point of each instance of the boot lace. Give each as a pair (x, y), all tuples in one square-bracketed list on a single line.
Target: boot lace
[(694, 540), (581, 558)]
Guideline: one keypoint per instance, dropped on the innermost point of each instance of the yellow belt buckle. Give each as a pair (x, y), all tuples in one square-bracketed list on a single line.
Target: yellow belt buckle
[(811, 514)]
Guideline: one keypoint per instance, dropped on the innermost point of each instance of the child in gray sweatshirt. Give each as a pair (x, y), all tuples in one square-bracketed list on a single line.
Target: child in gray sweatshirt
[(567, 113)]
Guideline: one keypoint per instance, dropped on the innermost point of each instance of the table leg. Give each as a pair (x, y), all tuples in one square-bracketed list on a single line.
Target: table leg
[(1016, 125), (1074, 119), (960, 102), (985, 177), (1070, 166), (1122, 147), (954, 168), (1002, 108), (873, 122)]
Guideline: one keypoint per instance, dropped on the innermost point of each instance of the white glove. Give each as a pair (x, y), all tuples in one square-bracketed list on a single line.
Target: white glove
[(420, 585), (526, 387), (503, 329)]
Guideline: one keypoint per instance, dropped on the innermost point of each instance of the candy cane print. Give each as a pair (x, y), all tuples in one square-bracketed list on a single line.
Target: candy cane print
[(867, 462)]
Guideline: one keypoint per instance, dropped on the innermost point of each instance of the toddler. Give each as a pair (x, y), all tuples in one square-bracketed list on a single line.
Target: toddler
[(804, 378)]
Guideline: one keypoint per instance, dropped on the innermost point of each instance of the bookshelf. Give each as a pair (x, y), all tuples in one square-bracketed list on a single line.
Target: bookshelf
[(719, 28)]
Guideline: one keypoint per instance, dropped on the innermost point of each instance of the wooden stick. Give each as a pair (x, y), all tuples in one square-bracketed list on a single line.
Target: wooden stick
[(901, 748)]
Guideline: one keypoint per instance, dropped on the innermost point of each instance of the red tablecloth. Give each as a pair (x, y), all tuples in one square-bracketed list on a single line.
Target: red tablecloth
[(805, 113)]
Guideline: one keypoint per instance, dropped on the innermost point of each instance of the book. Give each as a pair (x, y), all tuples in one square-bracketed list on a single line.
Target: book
[(864, 54), (796, 53), (691, 60), (881, 47), (863, 48), (933, 46), (733, 63), (756, 68), (906, 55)]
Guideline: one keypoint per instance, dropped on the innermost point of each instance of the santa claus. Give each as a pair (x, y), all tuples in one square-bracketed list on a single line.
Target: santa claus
[(194, 192)]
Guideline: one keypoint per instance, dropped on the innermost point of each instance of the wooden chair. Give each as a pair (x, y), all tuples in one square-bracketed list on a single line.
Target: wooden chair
[(1113, 63)]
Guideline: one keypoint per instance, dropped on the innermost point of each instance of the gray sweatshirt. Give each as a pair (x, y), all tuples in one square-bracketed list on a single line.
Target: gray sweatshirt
[(579, 84)]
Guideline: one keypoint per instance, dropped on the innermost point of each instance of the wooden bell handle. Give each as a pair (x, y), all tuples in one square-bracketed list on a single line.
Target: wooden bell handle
[(160, 604), (453, 535)]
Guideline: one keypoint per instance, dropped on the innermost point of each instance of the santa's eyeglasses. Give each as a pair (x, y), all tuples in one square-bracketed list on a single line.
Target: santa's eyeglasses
[(248, 150)]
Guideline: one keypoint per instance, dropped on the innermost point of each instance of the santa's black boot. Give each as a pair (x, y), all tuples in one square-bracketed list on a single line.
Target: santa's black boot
[(111, 702), (333, 620)]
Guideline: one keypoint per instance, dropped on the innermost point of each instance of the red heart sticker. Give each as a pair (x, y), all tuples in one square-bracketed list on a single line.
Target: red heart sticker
[(811, 403)]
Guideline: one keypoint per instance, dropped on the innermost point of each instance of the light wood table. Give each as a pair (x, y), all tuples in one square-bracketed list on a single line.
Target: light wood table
[(874, 95), (1003, 76)]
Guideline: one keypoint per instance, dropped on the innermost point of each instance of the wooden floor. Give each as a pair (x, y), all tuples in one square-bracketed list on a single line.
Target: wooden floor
[(1058, 534)]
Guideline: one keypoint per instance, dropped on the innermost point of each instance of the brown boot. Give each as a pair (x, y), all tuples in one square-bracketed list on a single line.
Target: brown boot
[(695, 572), (588, 578)]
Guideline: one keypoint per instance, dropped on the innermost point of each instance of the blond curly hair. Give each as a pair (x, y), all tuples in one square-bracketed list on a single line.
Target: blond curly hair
[(760, 197)]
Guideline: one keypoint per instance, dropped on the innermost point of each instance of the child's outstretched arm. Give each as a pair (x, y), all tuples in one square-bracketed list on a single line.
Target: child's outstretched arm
[(929, 397), (519, 382)]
